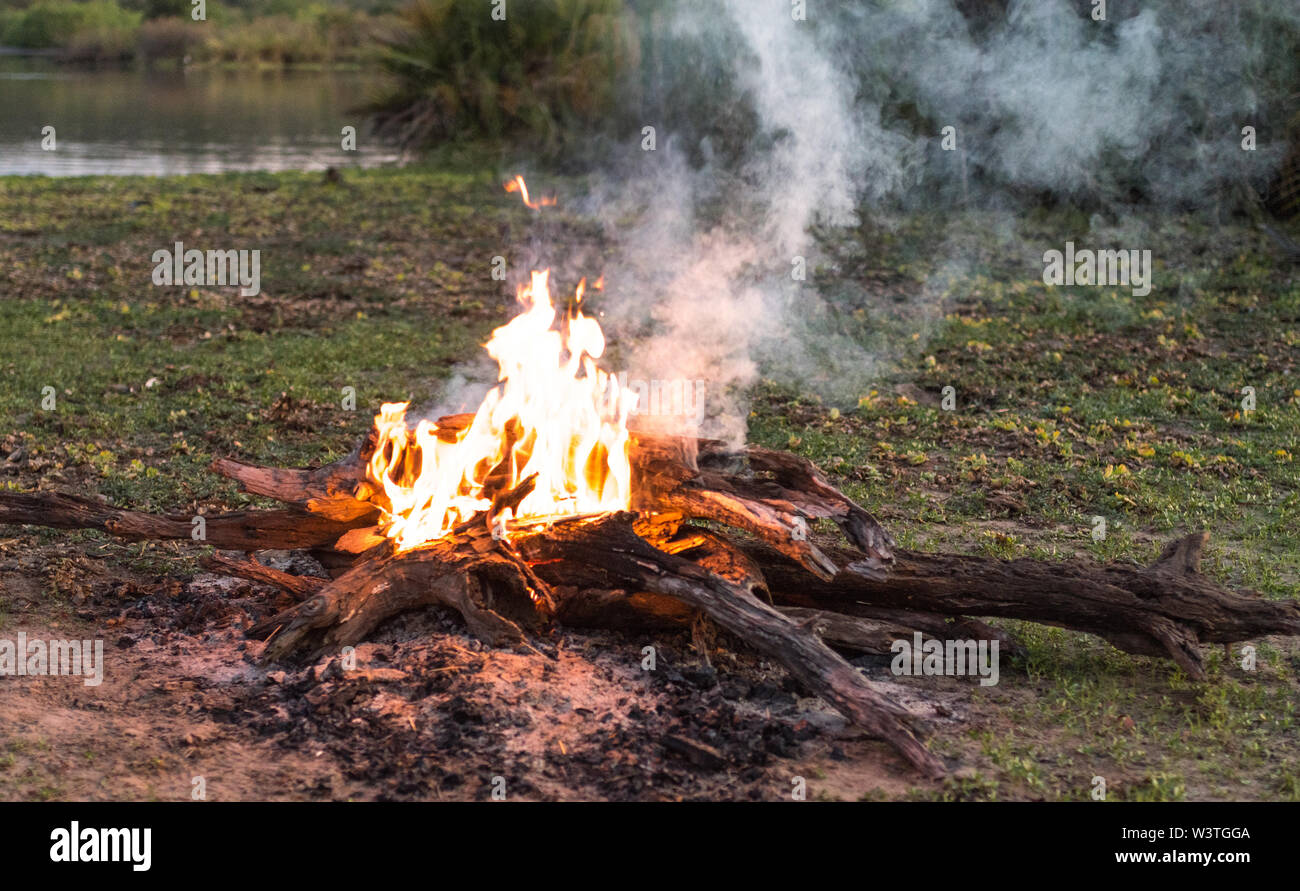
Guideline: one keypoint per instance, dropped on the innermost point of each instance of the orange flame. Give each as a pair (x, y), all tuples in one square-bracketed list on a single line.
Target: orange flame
[(518, 185), (554, 416)]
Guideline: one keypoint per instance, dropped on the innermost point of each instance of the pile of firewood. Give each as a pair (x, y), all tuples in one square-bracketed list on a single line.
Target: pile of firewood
[(655, 567)]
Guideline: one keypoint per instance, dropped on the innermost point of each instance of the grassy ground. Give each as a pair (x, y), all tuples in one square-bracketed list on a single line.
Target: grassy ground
[(1070, 404)]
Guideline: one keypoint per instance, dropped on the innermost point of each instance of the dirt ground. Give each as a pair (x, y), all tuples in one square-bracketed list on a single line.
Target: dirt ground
[(426, 713), (1073, 404)]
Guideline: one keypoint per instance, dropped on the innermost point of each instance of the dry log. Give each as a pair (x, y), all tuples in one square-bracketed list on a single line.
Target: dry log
[(330, 491), (878, 633), (798, 482), (733, 488), (849, 632), (704, 480), (237, 531), (870, 630), (300, 586), (609, 553), (1166, 609), (604, 553), (355, 603)]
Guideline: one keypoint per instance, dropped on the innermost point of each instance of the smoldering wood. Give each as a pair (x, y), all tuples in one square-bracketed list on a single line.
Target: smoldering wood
[(780, 592), (607, 553), (604, 553)]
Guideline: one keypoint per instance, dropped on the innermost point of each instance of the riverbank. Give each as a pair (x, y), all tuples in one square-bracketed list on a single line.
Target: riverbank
[(1072, 404), (68, 121), (100, 32)]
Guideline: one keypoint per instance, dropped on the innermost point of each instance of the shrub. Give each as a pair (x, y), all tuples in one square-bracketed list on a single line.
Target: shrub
[(549, 73), (169, 38), (94, 31), (45, 25), (106, 33)]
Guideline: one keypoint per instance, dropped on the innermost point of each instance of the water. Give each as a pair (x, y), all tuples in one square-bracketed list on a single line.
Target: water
[(111, 121)]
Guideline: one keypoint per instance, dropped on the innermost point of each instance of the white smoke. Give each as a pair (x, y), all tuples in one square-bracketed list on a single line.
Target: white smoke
[(702, 285)]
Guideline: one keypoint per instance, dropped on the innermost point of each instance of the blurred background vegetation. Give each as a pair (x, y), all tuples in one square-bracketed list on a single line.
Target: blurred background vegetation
[(563, 80), (258, 32)]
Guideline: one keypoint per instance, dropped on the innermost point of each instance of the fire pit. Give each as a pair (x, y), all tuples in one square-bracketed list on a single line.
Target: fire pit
[(545, 506)]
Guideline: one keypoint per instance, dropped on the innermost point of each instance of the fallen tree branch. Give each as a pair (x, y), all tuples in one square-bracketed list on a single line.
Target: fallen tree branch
[(300, 586), (605, 553), (237, 531), (1165, 609)]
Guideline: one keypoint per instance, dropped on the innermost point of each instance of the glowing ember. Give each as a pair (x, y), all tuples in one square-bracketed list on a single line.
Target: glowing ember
[(554, 416)]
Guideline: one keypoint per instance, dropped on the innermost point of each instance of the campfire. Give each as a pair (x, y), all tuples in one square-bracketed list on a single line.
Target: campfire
[(546, 507), (549, 441)]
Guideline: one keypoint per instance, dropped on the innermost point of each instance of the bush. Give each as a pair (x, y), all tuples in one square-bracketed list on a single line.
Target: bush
[(276, 40), (45, 25), (550, 73), (94, 31), (107, 33), (169, 39), (101, 30)]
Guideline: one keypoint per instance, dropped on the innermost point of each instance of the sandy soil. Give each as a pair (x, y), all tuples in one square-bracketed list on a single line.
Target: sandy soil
[(427, 712)]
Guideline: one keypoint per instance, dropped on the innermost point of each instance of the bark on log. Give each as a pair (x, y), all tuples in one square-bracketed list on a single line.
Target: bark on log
[(330, 491), (605, 553), (300, 586), (1165, 609), (877, 633), (351, 606), (237, 531)]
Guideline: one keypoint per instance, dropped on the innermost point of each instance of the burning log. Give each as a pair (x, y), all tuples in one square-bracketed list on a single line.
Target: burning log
[(667, 475), (544, 506), (658, 571)]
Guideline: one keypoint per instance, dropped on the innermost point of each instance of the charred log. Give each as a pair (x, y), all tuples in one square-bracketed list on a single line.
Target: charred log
[(1166, 609)]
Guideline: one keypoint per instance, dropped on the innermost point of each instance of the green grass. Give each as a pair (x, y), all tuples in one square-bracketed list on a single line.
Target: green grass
[(1070, 404), (151, 382)]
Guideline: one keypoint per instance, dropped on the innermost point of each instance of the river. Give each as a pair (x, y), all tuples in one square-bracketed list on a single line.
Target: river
[(114, 121)]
